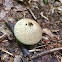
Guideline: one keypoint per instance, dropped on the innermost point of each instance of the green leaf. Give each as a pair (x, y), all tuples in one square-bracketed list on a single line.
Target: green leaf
[(45, 1)]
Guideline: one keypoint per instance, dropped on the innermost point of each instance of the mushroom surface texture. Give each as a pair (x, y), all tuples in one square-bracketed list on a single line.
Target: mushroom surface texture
[(27, 31)]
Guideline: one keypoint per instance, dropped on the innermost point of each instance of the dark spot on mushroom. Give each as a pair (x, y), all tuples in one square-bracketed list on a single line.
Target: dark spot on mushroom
[(26, 23), (30, 24)]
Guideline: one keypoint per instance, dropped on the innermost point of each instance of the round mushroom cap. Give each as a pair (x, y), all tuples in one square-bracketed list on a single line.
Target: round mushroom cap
[(27, 31)]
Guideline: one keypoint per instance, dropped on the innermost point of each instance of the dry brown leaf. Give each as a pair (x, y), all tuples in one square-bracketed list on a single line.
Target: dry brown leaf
[(48, 32)]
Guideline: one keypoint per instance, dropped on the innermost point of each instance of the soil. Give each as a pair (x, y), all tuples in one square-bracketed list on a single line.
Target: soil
[(49, 17)]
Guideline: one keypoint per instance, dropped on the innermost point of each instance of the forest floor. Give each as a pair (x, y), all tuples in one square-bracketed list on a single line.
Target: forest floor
[(49, 17)]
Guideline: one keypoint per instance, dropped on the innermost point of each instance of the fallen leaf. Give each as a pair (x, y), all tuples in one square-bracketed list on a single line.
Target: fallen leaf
[(48, 32)]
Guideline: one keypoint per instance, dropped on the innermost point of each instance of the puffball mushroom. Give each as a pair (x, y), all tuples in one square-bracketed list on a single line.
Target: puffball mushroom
[(27, 31)]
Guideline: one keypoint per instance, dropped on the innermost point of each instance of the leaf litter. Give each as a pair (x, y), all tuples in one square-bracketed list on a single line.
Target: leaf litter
[(11, 11)]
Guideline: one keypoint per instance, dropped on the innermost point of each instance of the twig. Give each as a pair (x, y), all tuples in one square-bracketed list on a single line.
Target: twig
[(30, 11), (43, 16), (33, 50), (45, 53), (3, 37), (6, 52), (40, 46)]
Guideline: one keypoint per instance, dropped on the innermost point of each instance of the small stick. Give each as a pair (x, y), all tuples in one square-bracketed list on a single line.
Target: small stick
[(43, 16), (30, 11), (45, 53), (40, 46), (3, 37), (6, 52), (33, 50)]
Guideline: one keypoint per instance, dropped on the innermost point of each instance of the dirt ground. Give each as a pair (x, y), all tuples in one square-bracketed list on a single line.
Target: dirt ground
[(49, 17)]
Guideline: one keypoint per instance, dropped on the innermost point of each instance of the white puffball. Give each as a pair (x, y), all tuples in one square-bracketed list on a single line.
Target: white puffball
[(27, 31)]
